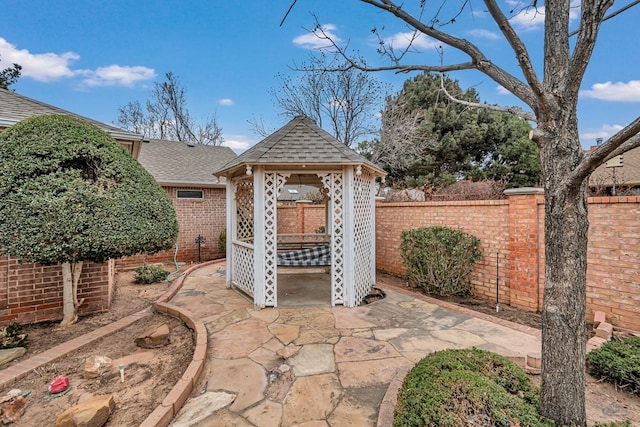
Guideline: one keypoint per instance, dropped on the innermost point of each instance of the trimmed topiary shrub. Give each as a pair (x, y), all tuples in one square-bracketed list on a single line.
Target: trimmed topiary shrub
[(147, 274), (439, 259), (618, 362), (467, 387)]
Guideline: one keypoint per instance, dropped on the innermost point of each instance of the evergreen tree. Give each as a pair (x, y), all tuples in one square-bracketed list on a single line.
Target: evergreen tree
[(427, 138)]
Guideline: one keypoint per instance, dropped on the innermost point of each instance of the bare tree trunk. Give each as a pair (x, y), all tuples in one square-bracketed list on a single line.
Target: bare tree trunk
[(562, 397), (70, 278)]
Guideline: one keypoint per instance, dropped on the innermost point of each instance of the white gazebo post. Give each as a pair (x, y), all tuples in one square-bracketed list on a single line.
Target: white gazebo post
[(349, 235), (259, 236), (231, 227)]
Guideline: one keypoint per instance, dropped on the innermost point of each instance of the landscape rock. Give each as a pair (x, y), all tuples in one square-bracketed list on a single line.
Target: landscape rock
[(90, 413), (594, 343), (598, 317), (155, 337), (7, 355), (12, 408), (198, 409), (94, 366), (604, 331)]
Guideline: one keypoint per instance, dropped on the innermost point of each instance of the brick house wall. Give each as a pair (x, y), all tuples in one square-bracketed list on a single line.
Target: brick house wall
[(31, 293), (205, 217)]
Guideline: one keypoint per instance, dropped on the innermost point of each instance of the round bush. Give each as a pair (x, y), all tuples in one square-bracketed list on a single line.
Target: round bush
[(440, 259), (467, 387)]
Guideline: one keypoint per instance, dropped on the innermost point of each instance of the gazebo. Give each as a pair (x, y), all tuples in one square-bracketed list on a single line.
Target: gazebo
[(300, 153)]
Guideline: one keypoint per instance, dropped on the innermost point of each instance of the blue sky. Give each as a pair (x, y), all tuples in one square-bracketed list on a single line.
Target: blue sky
[(90, 57)]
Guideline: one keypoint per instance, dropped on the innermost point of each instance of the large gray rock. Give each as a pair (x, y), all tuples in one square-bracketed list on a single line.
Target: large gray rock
[(155, 337), (7, 355), (91, 413)]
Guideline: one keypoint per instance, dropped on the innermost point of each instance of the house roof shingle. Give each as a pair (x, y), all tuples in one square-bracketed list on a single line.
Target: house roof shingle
[(626, 175), (299, 142), (177, 163), (15, 107)]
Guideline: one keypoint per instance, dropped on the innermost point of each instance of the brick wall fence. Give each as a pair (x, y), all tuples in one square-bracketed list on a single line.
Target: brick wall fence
[(511, 234), (205, 217), (300, 218)]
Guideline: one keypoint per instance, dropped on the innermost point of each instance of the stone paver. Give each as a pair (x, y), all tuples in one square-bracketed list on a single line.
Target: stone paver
[(322, 366)]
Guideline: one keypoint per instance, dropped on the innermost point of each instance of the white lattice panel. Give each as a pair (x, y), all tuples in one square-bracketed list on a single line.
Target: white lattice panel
[(243, 275), (363, 232), (334, 183), (273, 184), (244, 210)]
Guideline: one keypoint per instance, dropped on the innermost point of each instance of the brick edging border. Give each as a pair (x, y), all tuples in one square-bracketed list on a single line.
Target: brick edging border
[(10, 375), (171, 404), (179, 394)]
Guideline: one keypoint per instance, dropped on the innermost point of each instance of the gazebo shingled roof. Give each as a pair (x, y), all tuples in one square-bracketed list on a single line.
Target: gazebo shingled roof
[(299, 142)]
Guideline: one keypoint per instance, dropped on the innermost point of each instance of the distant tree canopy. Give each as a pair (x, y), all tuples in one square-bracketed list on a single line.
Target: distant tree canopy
[(69, 193), (344, 101), (165, 115), (428, 139), (9, 76)]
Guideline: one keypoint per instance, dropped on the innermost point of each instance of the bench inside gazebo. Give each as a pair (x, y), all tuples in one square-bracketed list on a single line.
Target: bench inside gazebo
[(301, 152)]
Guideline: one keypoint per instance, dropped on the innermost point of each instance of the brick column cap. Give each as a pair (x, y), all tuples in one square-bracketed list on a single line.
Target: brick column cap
[(523, 191), (309, 202)]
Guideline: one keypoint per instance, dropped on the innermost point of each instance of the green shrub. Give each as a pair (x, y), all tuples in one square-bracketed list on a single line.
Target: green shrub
[(439, 259), (467, 387), (147, 274), (618, 362), (12, 336), (222, 241)]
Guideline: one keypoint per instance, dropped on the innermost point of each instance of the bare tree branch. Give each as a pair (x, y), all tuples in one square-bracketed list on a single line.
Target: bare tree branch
[(167, 116), (342, 95), (479, 60), (513, 110), (623, 141), (516, 44), (592, 14)]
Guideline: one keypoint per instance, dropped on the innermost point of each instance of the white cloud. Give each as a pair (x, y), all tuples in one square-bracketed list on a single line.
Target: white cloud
[(618, 91), (501, 90), (532, 18), (48, 67), (402, 41), (317, 39), (589, 137), (43, 67), (227, 102), (528, 19), (118, 75), (483, 34), (237, 143)]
